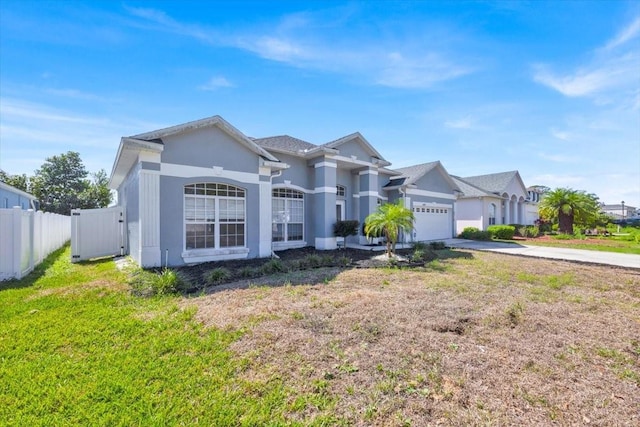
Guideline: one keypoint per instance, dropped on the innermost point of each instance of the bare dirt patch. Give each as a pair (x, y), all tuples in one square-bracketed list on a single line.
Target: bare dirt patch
[(486, 340)]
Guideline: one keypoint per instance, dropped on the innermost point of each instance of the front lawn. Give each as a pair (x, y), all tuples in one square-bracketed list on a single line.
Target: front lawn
[(470, 340), (619, 244)]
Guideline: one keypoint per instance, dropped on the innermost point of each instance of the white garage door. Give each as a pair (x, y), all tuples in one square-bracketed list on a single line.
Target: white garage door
[(433, 222)]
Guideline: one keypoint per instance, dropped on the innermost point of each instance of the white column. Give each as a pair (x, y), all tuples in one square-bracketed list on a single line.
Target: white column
[(264, 246)]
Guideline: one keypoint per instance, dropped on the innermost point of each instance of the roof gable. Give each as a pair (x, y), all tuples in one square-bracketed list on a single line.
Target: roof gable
[(217, 121), (361, 140), (470, 190), (284, 143), (497, 183), (411, 174)]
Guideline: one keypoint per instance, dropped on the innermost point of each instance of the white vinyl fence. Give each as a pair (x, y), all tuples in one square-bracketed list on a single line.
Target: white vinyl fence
[(27, 237)]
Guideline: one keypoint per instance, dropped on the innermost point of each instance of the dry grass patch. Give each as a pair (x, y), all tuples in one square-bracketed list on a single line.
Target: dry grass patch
[(489, 340)]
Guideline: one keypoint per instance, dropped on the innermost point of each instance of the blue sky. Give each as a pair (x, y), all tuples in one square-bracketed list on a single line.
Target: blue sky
[(551, 89)]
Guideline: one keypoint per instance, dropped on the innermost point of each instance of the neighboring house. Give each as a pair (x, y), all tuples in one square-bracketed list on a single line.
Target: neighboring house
[(498, 198), (430, 192), (619, 211), (204, 191), (535, 194), (11, 196)]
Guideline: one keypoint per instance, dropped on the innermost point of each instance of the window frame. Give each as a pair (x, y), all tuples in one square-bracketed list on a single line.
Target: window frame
[(212, 193), (287, 197)]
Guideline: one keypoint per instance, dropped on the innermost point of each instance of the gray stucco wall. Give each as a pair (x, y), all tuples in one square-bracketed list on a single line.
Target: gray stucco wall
[(434, 181), (209, 147), (353, 148), (172, 215), (298, 173)]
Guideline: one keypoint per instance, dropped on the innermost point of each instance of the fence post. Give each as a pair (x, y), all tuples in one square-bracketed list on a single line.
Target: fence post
[(17, 241), (32, 238)]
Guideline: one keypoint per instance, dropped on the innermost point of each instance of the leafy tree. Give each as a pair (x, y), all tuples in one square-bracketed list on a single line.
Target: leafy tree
[(97, 194), (568, 207), (61, 184), (21, 182), (388, 220)]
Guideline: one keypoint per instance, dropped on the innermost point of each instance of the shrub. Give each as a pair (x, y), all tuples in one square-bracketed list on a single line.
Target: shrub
[(343, 261), (502, 232), (148, 283), (217, 276), (273, 266), (473, 233), (419, 246), (249, 272), (423, 255), (437, 246), (346, 228), (532, 231)]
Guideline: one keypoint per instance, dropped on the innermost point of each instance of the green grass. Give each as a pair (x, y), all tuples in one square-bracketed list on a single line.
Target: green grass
[(606, 245), (77, 348)]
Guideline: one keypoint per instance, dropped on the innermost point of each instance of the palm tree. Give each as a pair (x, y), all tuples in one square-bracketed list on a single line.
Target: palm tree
[(568, 206), (388, 220)]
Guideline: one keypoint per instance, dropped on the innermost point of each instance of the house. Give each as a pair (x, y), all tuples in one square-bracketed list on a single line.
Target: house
[(619, 211), (10, 197), (203, 191), (498, 198)]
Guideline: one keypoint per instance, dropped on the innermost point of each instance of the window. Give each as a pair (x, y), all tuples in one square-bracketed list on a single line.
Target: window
[(287, 215), (492, 214), (214, 216), (340, 190)]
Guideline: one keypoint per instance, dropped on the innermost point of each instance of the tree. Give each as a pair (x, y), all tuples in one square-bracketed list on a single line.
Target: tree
[(61, 184), (389, 220), (568, 207), (21, 182)]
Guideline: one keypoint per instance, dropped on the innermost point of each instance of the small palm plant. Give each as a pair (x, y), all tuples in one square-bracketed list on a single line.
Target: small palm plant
[(389, 220)]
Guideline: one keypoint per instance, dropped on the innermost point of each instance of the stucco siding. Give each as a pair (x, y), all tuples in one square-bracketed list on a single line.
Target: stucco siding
[(434, 181), (172, 232), (469, 213), (209, 147), (353, 148), (299, 173)]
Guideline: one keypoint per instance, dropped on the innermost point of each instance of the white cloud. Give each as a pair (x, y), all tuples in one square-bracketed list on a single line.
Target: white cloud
[(609, 76), (628, 33), (216, 83), (294, 41), (562, 135), (559, 158), (465, 123), (555, 181)]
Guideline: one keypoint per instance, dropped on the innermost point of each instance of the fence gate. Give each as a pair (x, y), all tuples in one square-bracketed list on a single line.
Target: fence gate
[(97, 233)]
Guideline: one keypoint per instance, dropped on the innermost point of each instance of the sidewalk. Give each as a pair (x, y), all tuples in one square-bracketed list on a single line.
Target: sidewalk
[(565, 254)]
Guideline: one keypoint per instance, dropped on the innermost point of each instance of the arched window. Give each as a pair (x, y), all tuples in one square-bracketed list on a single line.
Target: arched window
[(214, 216), (287, 215), (492, 214)]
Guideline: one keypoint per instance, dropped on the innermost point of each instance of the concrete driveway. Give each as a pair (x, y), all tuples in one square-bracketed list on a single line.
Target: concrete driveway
[(564, 254)]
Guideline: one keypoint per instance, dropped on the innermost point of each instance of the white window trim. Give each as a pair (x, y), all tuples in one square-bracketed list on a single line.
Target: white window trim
[(216, 253), (286, 243)]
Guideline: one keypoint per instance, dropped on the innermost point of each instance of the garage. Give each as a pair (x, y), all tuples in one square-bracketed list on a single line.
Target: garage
[(433, 221)]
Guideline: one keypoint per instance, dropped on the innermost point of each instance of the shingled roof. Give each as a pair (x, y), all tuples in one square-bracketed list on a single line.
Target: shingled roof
[(493, 182), (470, 190), (410, 174), (284, 143), (415, 172)]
